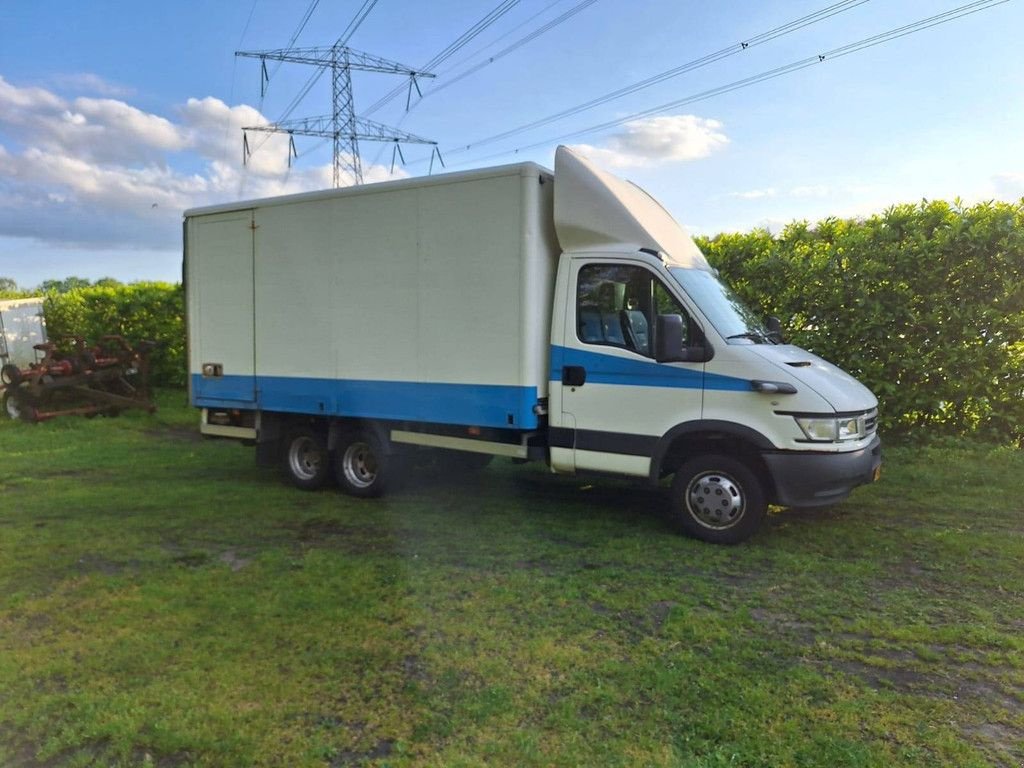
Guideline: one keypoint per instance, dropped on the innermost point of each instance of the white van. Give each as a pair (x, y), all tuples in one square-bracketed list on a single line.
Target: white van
[(514, 312)]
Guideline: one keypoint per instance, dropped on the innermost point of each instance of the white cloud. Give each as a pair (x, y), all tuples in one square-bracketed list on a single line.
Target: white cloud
[(655, 140), (99, 171), (806, 191), (30, 100), (88, 82), (754, 194)]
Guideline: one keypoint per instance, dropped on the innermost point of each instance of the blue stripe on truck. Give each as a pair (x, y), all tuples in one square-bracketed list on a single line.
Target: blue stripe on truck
[(482, 405), (613, 369)]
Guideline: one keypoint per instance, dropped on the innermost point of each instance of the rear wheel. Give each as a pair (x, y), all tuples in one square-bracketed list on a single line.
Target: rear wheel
[(360, 466), (718, 499), (305, 460)]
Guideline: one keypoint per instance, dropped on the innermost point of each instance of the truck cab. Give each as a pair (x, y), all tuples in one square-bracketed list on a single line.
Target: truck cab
[(658, 369)]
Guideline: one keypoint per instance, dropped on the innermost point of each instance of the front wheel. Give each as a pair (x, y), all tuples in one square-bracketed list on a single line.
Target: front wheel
[(718, 499), (360, 466)]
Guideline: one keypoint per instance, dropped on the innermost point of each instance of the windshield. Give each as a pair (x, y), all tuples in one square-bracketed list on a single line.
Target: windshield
[(733, 319)]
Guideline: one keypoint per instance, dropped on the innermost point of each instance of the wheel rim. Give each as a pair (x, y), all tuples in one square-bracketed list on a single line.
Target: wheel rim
[(11, 405), (304, 458), (715, 500), (359, 464)]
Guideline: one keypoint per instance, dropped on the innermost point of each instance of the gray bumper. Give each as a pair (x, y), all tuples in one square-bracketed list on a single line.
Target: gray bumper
[(816, 479)]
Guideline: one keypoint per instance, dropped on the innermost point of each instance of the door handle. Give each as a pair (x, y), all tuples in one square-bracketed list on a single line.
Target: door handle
[(574, 375)]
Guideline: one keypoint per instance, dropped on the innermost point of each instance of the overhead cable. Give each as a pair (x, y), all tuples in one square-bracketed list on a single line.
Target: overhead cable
[(516, 45), (690, 66), (451, 49), (918, 26)]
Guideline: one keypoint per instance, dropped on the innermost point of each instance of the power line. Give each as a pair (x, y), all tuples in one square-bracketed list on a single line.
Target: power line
[(582, 6), (920, 25), (690, 66), (452, 48), (499, 38), (298, 31), (536, 33)]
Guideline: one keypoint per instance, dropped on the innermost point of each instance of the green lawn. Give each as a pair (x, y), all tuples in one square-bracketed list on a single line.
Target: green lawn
[(165, 602)]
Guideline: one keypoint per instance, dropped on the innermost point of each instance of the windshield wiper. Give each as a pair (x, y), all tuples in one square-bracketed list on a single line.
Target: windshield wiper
[(752, 335)]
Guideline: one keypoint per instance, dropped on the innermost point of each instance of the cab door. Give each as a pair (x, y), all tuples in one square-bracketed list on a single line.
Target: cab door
[(616, 400)]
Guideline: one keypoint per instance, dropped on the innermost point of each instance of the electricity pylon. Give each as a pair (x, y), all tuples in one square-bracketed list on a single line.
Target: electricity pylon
[(342, 125)]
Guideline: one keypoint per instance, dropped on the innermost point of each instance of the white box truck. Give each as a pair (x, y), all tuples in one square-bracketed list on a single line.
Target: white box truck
[(513, 312)]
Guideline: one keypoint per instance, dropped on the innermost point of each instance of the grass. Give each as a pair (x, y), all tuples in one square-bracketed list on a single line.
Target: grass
[(164, 602)]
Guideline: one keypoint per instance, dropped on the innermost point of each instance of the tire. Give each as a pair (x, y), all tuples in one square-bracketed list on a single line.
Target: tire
[(360, 465), (718, 499), (305, 460), (11, 407), (16, 407), (10, 375)]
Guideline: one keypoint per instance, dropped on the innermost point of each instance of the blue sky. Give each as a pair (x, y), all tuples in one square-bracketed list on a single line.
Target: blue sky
[(117, 116)]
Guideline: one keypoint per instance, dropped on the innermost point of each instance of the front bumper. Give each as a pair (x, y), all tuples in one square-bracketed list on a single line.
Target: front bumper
[(816, 479)]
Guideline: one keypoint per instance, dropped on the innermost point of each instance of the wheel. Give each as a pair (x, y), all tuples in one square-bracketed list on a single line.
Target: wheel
[(305, 460), (360, 466), (718, 499), (17, 408), (11, 408), (10, 375)]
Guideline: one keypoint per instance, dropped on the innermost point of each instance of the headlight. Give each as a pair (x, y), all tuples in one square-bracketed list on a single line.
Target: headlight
[(826, 429), (851, 428), (817, 429)]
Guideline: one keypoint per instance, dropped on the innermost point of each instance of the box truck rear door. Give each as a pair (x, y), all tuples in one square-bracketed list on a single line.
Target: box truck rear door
[(219, 272)]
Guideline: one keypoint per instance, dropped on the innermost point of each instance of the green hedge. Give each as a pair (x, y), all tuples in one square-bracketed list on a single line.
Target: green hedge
[(924, 304), (139, 311)]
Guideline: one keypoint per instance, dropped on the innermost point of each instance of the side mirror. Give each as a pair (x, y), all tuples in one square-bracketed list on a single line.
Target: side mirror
[(669, 343), (775, 329)]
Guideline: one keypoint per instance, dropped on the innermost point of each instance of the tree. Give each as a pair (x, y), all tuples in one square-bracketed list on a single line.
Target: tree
[(65, 285)]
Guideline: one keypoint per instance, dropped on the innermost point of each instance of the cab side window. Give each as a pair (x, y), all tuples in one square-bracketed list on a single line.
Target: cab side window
[(617, 305)]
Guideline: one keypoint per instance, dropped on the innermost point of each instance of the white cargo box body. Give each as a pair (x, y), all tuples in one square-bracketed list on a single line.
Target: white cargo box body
[(21, 328), (422, 300)]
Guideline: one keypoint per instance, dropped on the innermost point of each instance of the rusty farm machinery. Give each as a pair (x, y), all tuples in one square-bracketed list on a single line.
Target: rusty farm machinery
[(74, 377)]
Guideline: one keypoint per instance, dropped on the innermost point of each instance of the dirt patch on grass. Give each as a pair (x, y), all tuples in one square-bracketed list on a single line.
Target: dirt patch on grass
[(356, 540), (350, 757), (1003, 743), (785, 624), (93, 564), (231, 559), (898, 679), (637, 624)]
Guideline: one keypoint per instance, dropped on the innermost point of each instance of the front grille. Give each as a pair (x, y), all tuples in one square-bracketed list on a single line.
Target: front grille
[(870, 422)]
